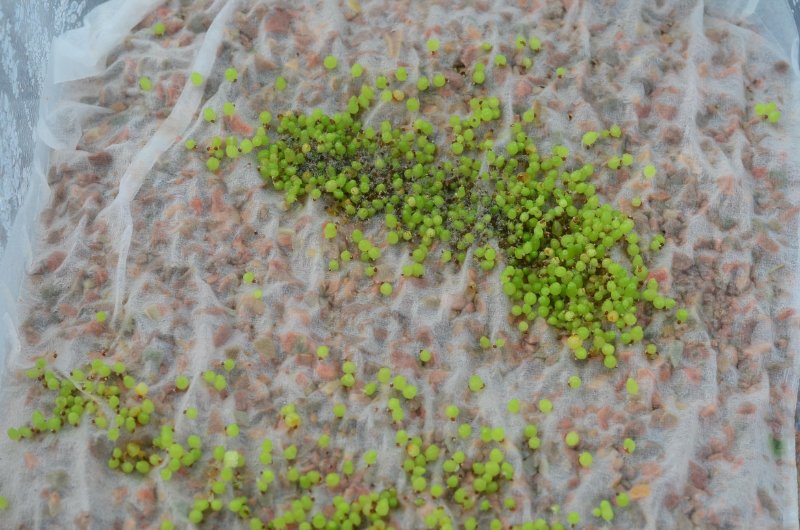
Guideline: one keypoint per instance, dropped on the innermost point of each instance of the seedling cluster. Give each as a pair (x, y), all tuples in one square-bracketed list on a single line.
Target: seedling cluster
[(448, 191)]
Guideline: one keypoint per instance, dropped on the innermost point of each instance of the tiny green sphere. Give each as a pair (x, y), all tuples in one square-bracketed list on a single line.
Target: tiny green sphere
[(329, 231), (196, 78), (452, 412), (349, 367), (330, 62), (585, 459), (476, 383), (632, 386), (514, 406), (101, 316), (3, 503), (348, 380), (14, 434), (439, 80), (159, 29), (401, 437), (464, 431), (332, 480), (384, 375), (190, 144), (141, 389), (248, 277), (322, 352), (356, 70), (561, 71), (425, 356), (606, 512), (545, 405), (574, 381), (409, 392), (228, 109), (398, 414), (232, 430), (209, 115), (681, 315), (649, 171), (231, 74), (629, 445), (339, 410), (498, 434), (432, 45), (573, 518), (265, 117), (386, 289), (412, 104), (478, 77), (574, 342), (572, 439), (589, 138), (145, 83), (280, 83), (182, 382), (196, 516), (401, 74), (623, 500), (437, 490)]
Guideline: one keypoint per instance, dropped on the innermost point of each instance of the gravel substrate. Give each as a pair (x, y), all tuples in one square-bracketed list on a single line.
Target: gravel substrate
[(143, 252)]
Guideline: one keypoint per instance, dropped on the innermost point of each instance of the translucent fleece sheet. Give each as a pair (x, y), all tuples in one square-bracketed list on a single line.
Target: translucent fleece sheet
[(139, 230)]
